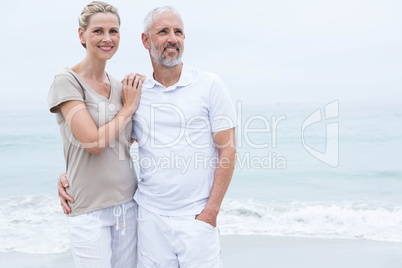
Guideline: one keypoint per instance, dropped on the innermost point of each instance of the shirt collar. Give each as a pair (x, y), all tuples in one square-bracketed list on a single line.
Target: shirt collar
[(186, 77)]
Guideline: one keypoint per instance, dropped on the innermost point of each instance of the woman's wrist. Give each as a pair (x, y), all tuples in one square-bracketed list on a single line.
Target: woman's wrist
[(128, 109)]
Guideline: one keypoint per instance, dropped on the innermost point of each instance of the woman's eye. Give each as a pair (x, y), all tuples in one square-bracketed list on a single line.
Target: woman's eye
[(114, 31), (97, 31)]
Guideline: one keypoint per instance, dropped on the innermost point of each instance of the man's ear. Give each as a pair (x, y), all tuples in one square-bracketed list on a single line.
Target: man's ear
[(145, 41)]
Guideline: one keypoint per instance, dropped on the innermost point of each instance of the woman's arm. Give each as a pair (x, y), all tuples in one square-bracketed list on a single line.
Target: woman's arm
[(95, 139)]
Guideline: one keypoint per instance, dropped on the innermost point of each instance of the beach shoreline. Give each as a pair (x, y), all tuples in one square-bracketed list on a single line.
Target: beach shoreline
[(261, 251)]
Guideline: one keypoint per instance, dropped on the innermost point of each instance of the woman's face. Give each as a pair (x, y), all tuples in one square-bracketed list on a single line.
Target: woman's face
[(102, 36)]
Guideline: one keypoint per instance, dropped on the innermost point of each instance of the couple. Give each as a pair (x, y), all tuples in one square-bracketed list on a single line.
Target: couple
[(180, 117)]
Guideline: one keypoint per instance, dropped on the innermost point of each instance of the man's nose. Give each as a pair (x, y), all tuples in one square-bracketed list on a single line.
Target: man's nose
[(172, 38)]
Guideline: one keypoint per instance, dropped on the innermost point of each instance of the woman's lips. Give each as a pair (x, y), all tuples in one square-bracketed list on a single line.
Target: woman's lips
[(106, 48)]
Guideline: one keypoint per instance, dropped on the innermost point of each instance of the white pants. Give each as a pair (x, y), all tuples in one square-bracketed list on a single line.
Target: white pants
[(172, 242), (99, 238)]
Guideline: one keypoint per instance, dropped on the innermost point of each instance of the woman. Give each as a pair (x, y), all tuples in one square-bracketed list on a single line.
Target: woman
[(94, 113)]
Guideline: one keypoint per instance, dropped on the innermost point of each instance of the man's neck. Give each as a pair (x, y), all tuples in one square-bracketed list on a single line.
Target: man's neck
[(167, 76)]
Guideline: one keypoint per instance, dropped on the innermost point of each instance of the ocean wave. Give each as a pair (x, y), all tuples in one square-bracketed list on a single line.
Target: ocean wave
[(32, 224), (36, 224), (348, 220)]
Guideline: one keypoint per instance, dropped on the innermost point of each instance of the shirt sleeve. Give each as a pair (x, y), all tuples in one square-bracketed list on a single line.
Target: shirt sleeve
[(64, 88), (222, 114)]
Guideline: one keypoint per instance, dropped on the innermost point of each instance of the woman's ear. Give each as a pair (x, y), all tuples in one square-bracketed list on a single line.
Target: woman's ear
[(81, 33)]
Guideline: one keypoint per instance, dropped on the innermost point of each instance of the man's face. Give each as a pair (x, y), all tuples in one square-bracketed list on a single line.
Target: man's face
[(167, 39)]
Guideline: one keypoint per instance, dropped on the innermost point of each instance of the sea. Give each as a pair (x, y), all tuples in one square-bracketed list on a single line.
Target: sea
[(320, 170)]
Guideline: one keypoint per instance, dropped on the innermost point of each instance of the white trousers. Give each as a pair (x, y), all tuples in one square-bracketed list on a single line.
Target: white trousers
[(176, 241), (105, 238)]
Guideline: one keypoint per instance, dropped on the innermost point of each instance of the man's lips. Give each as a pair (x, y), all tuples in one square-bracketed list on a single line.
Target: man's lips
[(171, 49)]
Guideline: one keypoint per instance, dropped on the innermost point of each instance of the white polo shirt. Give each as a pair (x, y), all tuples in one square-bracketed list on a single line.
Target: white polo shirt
[(177, 153)]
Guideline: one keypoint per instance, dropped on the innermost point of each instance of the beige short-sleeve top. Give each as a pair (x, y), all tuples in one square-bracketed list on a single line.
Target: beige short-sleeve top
[(96, 181)]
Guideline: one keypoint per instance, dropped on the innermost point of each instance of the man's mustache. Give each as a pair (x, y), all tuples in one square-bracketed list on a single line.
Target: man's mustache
[(171, 45)]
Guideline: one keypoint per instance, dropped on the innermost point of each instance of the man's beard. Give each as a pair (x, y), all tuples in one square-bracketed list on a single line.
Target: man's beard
[(157, 55)]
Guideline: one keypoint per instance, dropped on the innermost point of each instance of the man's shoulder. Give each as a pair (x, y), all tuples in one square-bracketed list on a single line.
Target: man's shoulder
[(200, 74)]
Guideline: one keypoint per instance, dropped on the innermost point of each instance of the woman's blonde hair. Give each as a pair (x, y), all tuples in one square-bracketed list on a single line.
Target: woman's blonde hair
[(92, 9)]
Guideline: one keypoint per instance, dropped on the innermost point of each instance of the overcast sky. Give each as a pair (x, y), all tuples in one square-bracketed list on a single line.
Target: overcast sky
[(265, 51)]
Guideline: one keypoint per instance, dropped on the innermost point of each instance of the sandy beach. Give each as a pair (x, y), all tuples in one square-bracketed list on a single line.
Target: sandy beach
[(260, 251)]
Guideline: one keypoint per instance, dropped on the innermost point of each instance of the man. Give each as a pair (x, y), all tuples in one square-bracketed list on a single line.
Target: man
[(185, 128)]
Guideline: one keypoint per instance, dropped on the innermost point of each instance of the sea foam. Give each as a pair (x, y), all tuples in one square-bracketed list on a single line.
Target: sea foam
[(36, 224), (348, 220), (32, 224)]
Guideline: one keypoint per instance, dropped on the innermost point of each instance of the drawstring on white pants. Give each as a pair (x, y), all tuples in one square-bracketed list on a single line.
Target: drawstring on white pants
[(124, 219), (117, 211)]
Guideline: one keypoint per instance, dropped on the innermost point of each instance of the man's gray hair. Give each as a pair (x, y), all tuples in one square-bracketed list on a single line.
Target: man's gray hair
[(156, 11)]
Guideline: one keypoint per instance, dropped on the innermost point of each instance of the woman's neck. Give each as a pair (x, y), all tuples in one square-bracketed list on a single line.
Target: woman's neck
[(91, 68)]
